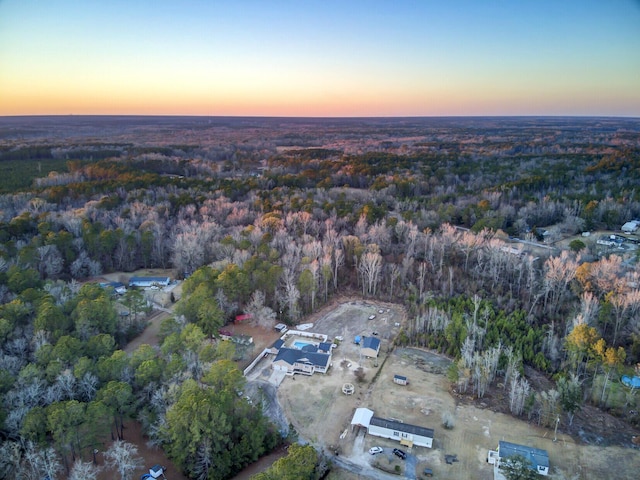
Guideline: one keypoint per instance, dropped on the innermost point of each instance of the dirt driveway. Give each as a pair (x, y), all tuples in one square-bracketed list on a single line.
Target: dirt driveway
[(321, 413)]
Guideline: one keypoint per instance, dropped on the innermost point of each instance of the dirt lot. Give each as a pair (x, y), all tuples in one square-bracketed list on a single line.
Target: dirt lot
[(320, 412), (150, 456)]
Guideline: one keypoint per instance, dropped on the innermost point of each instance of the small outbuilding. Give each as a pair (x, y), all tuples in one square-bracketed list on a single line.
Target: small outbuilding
[(400, 380), (242, 317), (118, 287), (370, 347), (157, 471)]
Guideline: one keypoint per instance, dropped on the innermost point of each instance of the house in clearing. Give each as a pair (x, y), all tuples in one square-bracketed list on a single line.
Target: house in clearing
[(400, 380), (146, 282), (631, 227), (370, 347), (538, 459), (306, 361), (404, 433), (118, 287)]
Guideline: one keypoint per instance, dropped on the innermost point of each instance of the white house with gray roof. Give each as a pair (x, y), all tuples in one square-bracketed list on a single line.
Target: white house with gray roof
[(538, 459), (404, 433)]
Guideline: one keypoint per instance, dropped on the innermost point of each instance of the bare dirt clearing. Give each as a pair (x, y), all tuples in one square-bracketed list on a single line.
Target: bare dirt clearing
[(321, 413), (151, 456)]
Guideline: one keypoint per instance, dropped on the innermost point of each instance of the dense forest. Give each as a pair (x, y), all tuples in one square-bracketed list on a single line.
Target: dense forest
[(462, 221)]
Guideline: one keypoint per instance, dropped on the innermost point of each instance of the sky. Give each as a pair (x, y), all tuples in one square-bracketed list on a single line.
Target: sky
[(320, 58)]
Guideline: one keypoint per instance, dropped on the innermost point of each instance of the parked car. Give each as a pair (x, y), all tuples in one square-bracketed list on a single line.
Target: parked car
[(375, 450), (400, 453), (428, 472)]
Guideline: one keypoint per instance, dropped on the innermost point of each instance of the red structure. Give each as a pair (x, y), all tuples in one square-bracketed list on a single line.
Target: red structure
[(242, 318)]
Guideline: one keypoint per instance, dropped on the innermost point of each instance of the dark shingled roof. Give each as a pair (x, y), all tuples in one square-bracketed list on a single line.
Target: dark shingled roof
[(371, 342), (293, 355), (401, 427)]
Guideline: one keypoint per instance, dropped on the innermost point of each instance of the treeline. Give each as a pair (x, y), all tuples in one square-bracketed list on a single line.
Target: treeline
[(72, 388)]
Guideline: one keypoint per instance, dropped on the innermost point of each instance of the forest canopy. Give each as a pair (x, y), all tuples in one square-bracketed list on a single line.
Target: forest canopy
[(471, 224)]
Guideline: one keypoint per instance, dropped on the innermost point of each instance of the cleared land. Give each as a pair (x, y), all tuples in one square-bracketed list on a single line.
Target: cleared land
[(321, 413)]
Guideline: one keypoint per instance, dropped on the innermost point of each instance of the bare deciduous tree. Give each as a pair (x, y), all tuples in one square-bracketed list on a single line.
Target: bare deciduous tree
[(370, 268), (518, 393), (84, 471), (260, 313), (123, 456)]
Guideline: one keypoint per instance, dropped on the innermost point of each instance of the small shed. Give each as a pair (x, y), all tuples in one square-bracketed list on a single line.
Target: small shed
[(242, 317), (400, 380), (157, 471), (370, 347), (281, 327)]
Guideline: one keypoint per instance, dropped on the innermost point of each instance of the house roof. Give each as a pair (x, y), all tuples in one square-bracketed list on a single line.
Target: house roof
[(536, 456), (371, 342), (401, 427), (362, 417), (278, 343), (149, 280), (112, 284), (324, 346), (293, 355)]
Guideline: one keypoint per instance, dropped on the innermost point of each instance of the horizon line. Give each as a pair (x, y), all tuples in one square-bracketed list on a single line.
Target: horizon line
[(320, 117)]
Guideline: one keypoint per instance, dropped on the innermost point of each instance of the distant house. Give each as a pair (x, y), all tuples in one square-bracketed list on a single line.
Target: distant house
[(606, 241), (400, 380), (370, 347), (631, 227), (146, 282), (538, 459), (306, 361), (118, 287)]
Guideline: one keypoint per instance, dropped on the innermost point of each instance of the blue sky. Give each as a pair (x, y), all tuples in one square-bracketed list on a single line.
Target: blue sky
[(320, 58)]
